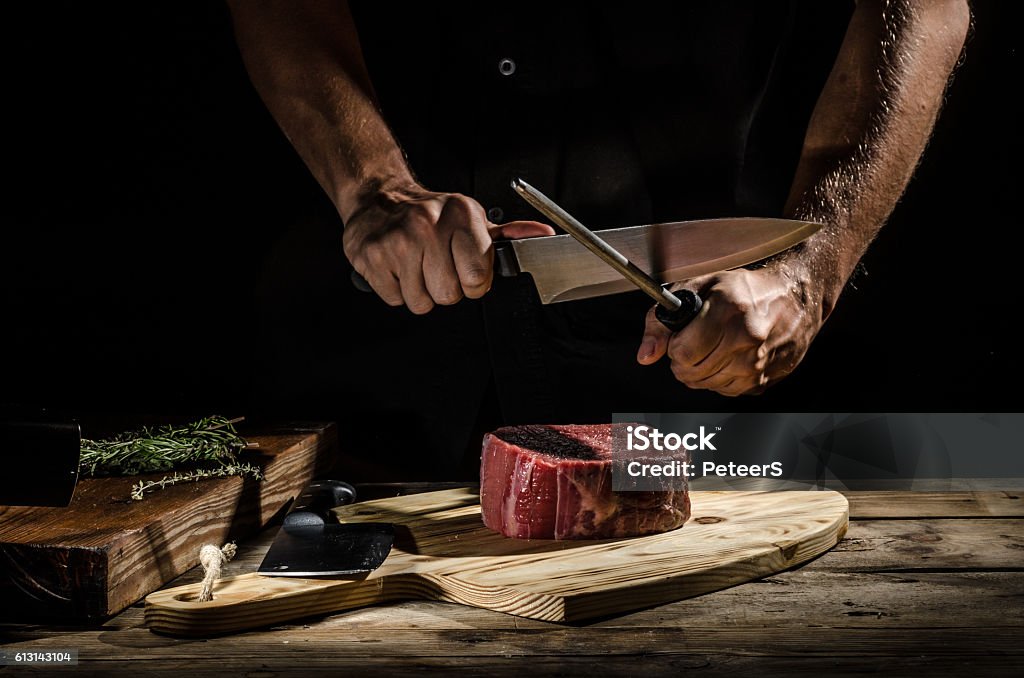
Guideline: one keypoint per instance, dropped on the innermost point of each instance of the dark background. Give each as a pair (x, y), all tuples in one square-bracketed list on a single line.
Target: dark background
[(150, 193)]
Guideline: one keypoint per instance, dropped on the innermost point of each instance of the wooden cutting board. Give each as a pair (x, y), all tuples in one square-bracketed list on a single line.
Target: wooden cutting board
[(443, 552), (104, 552)]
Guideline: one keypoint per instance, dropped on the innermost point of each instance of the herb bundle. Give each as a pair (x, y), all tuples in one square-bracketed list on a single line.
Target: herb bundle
[(207, 448)]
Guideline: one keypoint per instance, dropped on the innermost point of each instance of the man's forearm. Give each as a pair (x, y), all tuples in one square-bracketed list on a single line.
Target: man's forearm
[(305, 60), (868, 130)]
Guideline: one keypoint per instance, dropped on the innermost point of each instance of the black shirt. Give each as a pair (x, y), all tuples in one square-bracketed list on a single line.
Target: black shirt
[(622, 114)]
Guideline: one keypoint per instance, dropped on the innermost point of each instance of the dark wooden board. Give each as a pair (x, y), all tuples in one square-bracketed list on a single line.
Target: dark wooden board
[(104, 552)]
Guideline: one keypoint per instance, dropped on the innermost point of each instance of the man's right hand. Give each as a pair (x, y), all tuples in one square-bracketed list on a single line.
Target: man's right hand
[(420, 248), (413, 246)]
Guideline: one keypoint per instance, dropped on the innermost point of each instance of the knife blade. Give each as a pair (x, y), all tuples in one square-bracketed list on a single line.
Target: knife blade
[(312, 544), (565, 270)]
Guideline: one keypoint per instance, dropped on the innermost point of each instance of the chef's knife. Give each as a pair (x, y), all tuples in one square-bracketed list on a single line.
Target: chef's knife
[(564, 270), (312, 544)]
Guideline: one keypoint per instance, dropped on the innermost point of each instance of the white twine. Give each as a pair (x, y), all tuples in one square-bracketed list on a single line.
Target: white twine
[(212, 559)]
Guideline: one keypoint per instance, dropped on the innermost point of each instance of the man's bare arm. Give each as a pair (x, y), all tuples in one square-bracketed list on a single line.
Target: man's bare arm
[(870, 127), (414, 246), (306, 62), (868, 130)]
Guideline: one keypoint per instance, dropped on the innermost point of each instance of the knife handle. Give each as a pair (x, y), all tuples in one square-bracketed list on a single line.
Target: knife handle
[(680, 317), (313, 506), (359, 282), (505, 264)]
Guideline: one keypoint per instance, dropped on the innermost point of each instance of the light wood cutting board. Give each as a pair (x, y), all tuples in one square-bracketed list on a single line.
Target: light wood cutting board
[(443, 552)]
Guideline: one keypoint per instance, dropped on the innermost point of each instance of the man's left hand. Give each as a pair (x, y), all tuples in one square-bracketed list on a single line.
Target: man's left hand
[(753, 329)]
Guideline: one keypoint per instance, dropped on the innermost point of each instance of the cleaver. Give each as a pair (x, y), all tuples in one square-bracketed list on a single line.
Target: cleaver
[(311, 543), (564, 270)]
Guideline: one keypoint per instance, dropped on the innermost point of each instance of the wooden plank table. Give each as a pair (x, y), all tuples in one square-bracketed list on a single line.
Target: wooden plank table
[(929, 583)]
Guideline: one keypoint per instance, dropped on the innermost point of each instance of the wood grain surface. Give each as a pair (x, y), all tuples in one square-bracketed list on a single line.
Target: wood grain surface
[(104, 552), (909, 594), (443, 552)]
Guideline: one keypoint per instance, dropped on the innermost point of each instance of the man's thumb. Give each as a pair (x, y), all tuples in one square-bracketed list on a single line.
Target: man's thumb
[(655, 341), (520, 229)]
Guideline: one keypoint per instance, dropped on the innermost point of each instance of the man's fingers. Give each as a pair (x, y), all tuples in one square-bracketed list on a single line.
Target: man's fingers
[(414, 289), (386, 286), (440, 274), (717, 382), (729, 382), (692, 345), (474, 262), (738, 387), (432, 249), (376, 271), (717, 361), (470, 245), (520, 229), (730, 371), (441, 251)]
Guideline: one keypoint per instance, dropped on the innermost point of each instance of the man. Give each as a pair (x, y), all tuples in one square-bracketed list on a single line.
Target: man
[(623, 116)]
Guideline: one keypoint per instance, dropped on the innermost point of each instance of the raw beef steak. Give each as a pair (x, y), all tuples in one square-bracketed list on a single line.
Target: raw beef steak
[(555, 482)]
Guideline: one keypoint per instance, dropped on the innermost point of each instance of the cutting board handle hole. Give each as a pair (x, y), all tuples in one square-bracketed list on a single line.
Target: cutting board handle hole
[(708, 520)]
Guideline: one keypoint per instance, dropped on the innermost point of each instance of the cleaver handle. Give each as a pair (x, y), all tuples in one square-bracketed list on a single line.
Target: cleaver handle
[(313, 506), (505, 264)]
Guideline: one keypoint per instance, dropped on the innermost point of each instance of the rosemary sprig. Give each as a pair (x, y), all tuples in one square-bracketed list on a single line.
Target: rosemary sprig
[(241, 469), (207, 448), (150, 450)]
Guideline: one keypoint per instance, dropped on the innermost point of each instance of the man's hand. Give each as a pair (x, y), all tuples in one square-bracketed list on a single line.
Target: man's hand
[(863, 141), (753, 329), (420, 248), (413, 246)]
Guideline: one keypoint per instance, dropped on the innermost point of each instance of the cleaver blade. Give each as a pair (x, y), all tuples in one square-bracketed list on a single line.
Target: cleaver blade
[(564, 270), (312, 544)]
